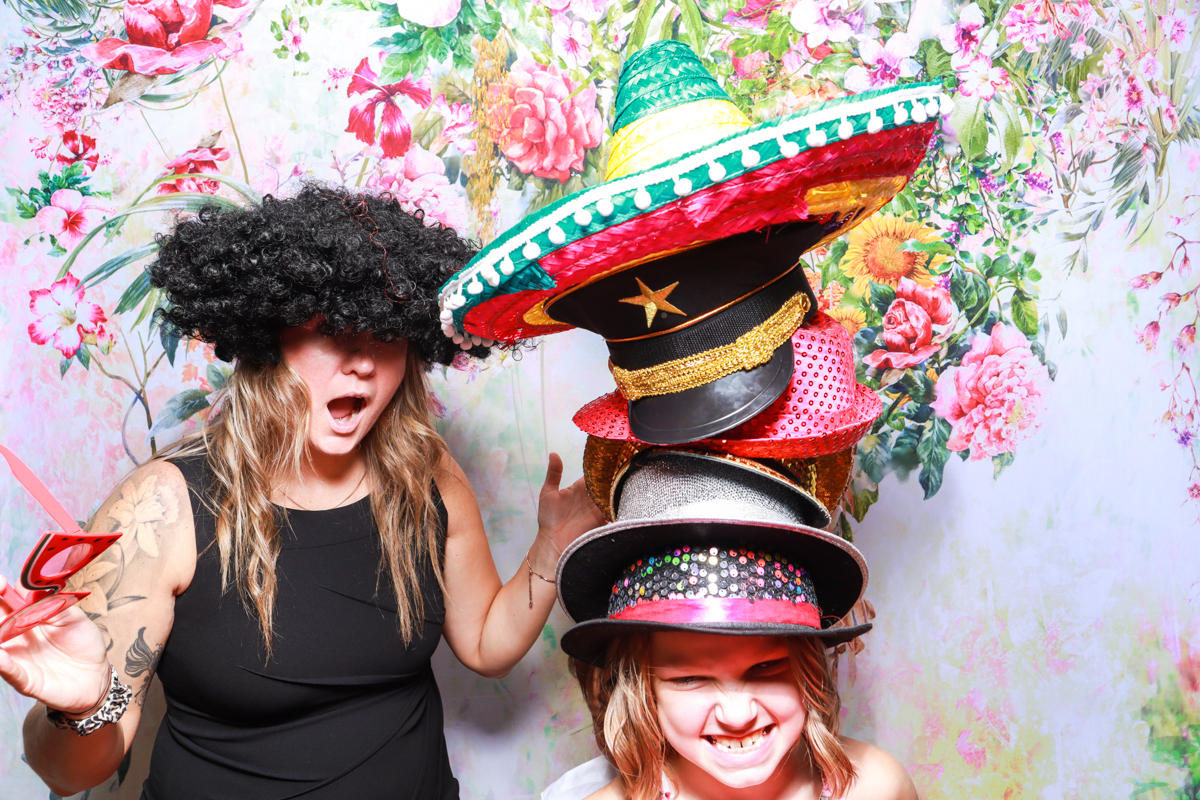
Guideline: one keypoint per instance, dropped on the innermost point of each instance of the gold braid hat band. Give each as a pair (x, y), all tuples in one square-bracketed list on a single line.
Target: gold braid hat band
[(753, 348)]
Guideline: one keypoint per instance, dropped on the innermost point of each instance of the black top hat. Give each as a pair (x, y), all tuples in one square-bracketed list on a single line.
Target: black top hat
[(699, 340)]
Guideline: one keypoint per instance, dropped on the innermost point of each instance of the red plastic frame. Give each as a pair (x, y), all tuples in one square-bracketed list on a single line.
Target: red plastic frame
[(45, 594)]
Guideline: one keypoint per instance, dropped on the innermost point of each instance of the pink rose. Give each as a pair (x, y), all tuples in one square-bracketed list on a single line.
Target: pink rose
[(541, 128), (994, 401), (165, 36), (908, 325)]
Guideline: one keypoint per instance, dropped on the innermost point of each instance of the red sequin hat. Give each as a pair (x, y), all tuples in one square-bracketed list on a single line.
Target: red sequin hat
[(823, 410)]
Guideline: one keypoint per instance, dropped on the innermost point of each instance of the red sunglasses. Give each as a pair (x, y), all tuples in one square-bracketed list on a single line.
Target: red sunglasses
[(57, 556)]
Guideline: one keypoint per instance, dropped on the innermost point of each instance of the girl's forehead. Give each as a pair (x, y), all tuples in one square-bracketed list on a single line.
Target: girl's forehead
[(685, 648)]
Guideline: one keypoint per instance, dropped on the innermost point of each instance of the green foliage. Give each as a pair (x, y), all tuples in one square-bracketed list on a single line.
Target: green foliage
[(179, 409), (414, 47), (31, 201)]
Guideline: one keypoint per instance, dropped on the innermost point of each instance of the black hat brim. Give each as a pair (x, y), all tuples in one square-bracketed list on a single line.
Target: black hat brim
[(706, 411), (588, 641), (591, 564)]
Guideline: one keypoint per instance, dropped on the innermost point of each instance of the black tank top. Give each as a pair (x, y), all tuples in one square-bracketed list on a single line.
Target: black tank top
[(342, 710)]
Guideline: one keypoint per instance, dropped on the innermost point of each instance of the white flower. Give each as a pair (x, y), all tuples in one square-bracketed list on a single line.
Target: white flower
[(885, 63)]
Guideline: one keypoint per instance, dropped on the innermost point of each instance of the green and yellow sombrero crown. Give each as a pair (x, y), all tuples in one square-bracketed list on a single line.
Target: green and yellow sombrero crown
[(687, 167)]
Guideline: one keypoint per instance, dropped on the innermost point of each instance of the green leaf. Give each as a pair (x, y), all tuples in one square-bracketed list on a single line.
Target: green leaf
[(971, 294), (935, 58), (844, 529), (179, 409), (874, 451), (170, 341), (108, 268), (83, 357), (134, 293), (934, 455), (904, 452), (1001, 463), (1014, 135), (218, 374), (397, 66), (641, 25), (918, 386), (64, 365), (693, 23), (1062, 321), (1025, 313), (405, 41), (969, 119), (882, 296), (863, 500)]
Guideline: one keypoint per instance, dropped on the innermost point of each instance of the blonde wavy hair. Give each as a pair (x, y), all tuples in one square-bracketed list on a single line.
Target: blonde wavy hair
[(620, 697), (259, 438)]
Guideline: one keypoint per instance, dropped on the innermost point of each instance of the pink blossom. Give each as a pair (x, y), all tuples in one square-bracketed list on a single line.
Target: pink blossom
[(994, 401), (395, 135), (981, 79), (1134, 96), (70, 216), (63, 317), (571, 41), (751, 15), (908, 326), (544, 123), (961, 40), (972, 753), (430, 13), (1194, 491), (1169, 301), (1170, 116), (190, 166), (826, 21), (457, 126), (1149, 67), (79, 147), (293, 37), (1177, 28), (421, 184), (1186, 338), (1148, 336), (1145, 281), (165, 36), (884, 63), (590, 10), (1080, 48), (1112, 61)]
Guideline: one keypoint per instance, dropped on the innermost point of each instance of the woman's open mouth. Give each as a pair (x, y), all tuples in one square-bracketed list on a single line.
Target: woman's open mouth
[(739, 745), (344, 412)]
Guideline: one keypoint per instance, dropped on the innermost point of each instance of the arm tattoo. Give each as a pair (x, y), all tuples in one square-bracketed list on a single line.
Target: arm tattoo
[(139, 660)]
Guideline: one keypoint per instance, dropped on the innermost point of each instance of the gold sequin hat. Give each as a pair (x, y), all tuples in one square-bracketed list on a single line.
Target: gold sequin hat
[(686, 167)]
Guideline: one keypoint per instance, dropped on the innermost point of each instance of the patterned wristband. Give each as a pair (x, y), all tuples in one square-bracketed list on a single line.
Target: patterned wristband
[(111, 709)]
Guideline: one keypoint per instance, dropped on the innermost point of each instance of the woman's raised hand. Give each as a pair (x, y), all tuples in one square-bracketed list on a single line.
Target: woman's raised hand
[(563, 514), (61, 662)]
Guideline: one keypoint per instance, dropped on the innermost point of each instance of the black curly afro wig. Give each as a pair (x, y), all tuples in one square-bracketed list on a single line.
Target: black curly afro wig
[(236, 279)]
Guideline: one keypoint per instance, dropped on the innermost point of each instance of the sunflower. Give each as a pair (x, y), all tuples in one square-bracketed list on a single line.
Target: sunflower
[(852, 319), (875, 252)]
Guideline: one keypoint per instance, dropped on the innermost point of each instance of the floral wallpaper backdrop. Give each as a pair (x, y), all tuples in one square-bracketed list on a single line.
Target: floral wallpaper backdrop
[(1026, 309)]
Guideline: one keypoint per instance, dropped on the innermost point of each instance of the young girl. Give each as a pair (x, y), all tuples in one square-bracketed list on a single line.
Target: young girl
[(703, 616)]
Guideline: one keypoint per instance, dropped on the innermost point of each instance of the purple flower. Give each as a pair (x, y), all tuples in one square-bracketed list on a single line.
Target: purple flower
[(991, 184), (1184, 437), (944, 281), (1038, 181), (1060, 145)]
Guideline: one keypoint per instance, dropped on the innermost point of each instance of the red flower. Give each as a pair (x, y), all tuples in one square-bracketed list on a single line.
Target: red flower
[(81, 148), (191, 165), (165, 36), (395, 135), (1145, 281), (1149, 335), (908, 325)]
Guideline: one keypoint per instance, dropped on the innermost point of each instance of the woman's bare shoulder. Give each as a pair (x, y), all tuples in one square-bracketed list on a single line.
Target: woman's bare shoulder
[(880, 776), (615, 790)]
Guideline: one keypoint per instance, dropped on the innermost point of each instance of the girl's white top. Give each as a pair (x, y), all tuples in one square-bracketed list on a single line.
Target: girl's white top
[(581, 781)]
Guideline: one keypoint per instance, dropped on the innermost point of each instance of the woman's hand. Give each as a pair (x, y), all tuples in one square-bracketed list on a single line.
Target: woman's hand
[(61, 662), (563, 516)]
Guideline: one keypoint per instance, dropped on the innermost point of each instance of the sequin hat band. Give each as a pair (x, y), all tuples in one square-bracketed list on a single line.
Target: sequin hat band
[(722, 609)]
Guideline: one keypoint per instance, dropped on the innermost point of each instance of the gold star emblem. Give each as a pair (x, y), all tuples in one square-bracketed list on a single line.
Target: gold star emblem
[(653, 301)]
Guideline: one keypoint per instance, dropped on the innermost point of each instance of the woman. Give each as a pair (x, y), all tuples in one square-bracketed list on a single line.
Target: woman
[(289, 571)]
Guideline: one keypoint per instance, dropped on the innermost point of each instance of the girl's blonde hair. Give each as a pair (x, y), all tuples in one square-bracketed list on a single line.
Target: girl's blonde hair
[(625, 721), (260, 438)]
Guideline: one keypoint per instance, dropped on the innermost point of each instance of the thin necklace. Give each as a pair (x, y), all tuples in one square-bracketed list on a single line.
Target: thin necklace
[(361, 478)]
